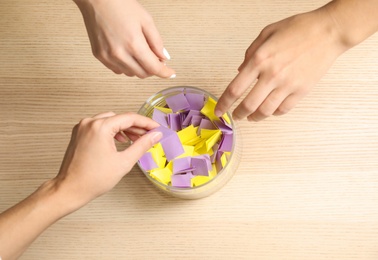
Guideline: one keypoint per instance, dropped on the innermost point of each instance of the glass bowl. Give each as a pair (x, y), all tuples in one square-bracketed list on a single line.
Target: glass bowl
[(222, 176)]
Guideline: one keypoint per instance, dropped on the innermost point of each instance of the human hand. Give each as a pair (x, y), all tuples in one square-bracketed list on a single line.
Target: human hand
[(124, 38), (92, 165), (286, 60)]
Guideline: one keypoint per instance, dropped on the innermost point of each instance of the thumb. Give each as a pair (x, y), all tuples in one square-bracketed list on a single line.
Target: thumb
[(140, 146)]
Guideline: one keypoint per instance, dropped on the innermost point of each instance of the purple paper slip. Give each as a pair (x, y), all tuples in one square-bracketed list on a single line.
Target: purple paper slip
[(177, 102), (226, 143), (207, 159), (206, 124), (224, 122), (165, 131), (189, 117), (183, 115), (147, 162), (218, 163), (201, 165), (196, 101), (225, 128), (174, 121), (182, 180), (181, 165), (215, 151), (172, 147), (196, 120), (160, 117), (170, 142)]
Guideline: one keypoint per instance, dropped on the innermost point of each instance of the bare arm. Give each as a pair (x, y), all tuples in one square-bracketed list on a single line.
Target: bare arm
[(91, 166)]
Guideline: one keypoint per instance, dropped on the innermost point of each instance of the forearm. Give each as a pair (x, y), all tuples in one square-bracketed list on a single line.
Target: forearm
[(24, 222), (356, 20)]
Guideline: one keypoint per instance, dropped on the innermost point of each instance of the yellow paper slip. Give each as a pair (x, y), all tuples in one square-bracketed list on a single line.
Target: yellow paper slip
[(213, 140), (208, 109), (213, 171), (199, 180), (158, 156), (162, 175), (187, 134), (223, 160), (165, 110), (188, 151)]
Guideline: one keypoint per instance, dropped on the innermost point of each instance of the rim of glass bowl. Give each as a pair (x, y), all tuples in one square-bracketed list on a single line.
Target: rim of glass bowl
[(157, 99)]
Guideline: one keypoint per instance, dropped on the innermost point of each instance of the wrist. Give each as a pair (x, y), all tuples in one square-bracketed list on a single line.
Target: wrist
[(56, 199), (341, 35), (354, 20)]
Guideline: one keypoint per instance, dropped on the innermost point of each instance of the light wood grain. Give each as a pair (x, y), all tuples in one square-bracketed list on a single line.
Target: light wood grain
[(307, 185)]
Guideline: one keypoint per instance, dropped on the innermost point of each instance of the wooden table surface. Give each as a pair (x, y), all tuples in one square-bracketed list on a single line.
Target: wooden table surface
[(307, 184)]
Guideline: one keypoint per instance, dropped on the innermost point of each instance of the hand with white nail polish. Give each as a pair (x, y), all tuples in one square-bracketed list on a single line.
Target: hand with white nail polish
[(124, 38), (289, 57), (91, 167)]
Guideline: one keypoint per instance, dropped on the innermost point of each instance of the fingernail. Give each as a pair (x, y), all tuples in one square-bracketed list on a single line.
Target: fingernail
[(166, 54), (172, 76), (218, 113), (156, 136)]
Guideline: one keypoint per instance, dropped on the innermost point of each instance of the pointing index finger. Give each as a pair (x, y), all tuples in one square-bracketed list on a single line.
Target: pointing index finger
[(235, 90)]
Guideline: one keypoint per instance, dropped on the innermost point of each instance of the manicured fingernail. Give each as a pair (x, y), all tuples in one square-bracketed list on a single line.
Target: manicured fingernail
[(166, 54), (156, 136), (172, 76), (218, 113)]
